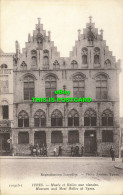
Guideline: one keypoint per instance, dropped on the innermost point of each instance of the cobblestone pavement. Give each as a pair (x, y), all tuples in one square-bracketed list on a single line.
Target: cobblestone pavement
[(87, 168)]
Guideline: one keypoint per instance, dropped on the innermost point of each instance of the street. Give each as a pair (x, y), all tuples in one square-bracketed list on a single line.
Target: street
[(96, 168), (17, 173)]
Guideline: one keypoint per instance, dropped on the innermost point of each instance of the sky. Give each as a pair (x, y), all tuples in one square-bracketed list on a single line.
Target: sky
[(63, 18)]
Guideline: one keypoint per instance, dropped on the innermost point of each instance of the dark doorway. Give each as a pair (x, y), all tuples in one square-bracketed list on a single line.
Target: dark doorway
[(90, 146), (4, 143), (40, 138)]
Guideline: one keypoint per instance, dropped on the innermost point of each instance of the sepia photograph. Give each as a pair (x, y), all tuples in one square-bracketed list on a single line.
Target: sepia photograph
[(61, 97)]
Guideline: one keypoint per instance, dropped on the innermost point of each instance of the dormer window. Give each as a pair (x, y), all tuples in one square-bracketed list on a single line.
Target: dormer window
[(74, 64), (84, 55), (96, 55), (46, 57), (34, 58)]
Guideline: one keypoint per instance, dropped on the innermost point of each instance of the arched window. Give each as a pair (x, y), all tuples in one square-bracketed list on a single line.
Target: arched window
[(34, 61), (78, 86), (107, 63), (28, 87), (73, 118), (46, 57), (34, 58), (39, 118), (90, 118), (50, 86), (23, 119), (107, 118), (101, 87), (56, 118), (3, 66), (84, 59), (23, 66), (84, 55), (96, 55), (56, 65), (74, 64)]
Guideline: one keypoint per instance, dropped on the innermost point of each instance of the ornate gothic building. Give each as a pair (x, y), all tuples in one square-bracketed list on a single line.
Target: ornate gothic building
[(89, 71)]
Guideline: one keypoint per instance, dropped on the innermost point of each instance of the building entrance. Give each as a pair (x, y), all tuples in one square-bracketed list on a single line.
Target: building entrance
[(4, 143), (40, 138), (90, 145)]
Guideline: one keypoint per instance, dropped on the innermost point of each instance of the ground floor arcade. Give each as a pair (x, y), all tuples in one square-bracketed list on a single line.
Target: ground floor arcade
[(96, 142)]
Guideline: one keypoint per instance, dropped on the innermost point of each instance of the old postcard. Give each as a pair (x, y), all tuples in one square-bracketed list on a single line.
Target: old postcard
[(61, 97)]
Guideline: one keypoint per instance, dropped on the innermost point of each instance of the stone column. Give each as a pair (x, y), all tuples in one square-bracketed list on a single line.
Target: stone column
[(48, 138), (31, 119), (65, 137), (31, 137), (81, 137), (48, 142), (99, 142), (65, 142)]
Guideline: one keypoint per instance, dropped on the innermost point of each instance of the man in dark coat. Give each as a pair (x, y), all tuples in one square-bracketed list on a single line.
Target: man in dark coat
[(112, 153), (82, 150)]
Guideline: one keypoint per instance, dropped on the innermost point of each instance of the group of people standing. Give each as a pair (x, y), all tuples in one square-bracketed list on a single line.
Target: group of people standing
[(74, 151), (37, 151)]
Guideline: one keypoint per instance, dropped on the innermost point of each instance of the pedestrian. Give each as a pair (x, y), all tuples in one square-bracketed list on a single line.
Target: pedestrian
[(72, 150), (31, 148), (60, 151), (112, 153), (54, 151), (82, 150), (37, 150)]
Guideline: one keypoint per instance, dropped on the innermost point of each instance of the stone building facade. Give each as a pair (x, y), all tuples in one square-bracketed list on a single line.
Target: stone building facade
[(89, 71), (6, 101)]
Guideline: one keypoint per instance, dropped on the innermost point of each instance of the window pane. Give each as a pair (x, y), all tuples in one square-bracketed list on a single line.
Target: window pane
[(86, 121), (23, 138), (73, 137), (43, 122), (31, 84), (107, 136), (47, 84), (56, 137), (104, 93), (84, 59), (76, 121), (26, 122), (104, 121), (98, 83), (53, 121), (5, 112), (36, 122), (81, 83), (26, 94), (104, 83), (98, 93), (53, 84), (48, 93), (20, 122), (75, 84), (31, 93), (110, 121), (59, 121), (25, 85), (53, 93), (70, 121), (93, 121)]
